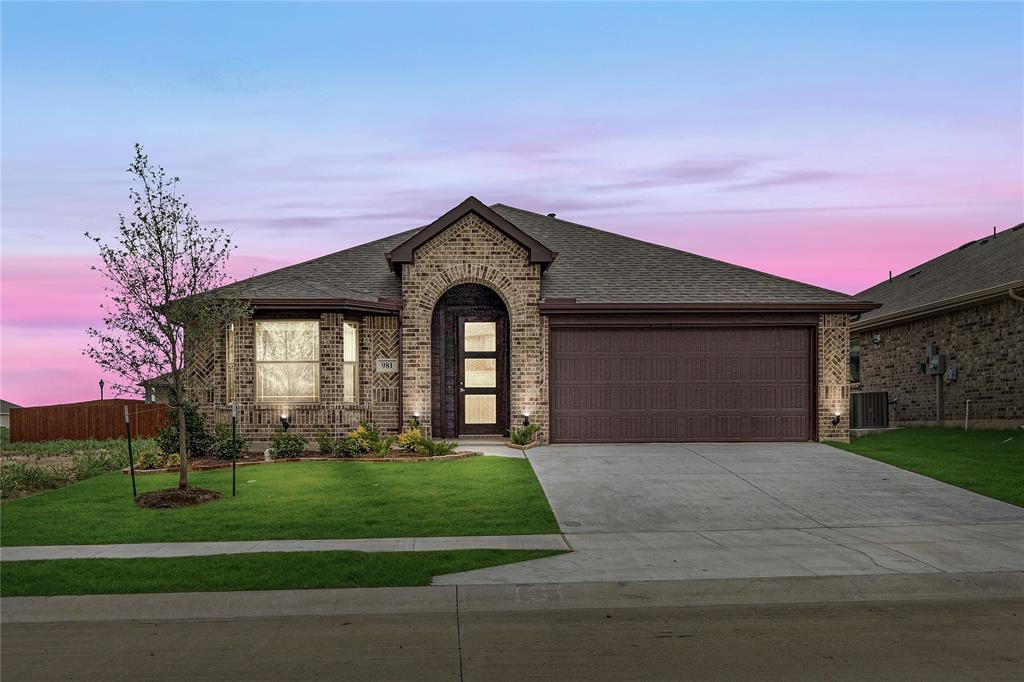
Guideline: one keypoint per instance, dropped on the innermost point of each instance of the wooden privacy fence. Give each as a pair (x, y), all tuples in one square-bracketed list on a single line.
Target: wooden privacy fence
[(98, 419)]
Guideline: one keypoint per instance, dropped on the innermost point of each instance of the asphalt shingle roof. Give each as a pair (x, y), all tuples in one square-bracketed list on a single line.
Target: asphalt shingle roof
[(593, 266), (978, 265)]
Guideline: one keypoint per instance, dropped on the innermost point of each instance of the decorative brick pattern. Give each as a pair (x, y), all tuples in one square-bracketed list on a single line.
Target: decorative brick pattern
[(471, 251), (984, 343), (833, 377), (379, 340)]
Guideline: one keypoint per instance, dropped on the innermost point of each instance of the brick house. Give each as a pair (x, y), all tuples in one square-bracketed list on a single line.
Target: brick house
[(492, 316), (966, 306)]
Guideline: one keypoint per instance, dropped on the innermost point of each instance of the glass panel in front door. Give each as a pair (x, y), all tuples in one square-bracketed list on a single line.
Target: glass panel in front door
[(481, 409), (481, 372), (481, 337)]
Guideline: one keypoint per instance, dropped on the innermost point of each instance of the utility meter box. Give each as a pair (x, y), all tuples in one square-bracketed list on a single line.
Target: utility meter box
[(936, 364)]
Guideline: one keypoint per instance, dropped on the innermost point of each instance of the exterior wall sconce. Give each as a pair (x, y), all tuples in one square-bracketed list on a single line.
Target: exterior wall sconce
[(836, 418), (284, 421), (526, 418), (876, 339)]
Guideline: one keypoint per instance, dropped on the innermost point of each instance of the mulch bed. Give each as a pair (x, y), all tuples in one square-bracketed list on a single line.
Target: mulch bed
[(172, 498)]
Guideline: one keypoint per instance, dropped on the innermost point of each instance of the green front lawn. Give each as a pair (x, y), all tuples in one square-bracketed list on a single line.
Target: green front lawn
[(265, 571), (295, 501), (987, 462)]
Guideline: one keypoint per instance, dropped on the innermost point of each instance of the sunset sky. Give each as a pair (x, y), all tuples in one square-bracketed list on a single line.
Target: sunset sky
[(825, 142)]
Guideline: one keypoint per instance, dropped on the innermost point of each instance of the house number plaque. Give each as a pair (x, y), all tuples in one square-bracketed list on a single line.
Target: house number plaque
[(387, 365)]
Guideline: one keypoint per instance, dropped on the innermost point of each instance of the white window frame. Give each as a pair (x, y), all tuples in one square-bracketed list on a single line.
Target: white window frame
[(350, 358), (260, 397)]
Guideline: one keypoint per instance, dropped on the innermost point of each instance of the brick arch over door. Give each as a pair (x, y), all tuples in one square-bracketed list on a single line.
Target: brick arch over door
[(473, 252)]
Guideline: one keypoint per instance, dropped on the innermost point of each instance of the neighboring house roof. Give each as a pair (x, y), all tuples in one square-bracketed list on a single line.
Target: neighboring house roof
[(975, 272), (6, 405), (592, 267)]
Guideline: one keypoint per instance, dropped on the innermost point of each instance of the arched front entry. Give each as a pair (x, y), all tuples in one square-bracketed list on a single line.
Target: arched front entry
[(469, 363)]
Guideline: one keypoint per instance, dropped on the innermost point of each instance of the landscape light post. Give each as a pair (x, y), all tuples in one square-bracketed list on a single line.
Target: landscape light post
[(234, 447), (101, 388), (131, 461)]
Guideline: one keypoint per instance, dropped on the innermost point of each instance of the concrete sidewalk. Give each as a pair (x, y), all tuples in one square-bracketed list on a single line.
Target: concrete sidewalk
[(179, 549)]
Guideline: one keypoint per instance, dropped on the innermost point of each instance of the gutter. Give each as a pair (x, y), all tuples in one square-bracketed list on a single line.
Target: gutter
[(550, 306), (944, 305), (379, 306)]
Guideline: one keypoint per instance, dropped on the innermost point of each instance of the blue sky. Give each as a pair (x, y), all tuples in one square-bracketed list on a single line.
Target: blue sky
[(829, 142)]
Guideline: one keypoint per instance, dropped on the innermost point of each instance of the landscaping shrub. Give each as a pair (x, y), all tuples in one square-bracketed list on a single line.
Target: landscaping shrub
[(347, 447), (384, 446), (329, 445), (173, 461), (409, 439), (18, 477), (366, 437), (94, 464), (224, 446), (284, 444), (150, 459), (78, 460), (433, 448), (523, 435), (198, 441)]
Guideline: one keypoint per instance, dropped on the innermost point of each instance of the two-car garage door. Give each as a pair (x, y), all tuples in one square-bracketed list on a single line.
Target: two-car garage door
[(644, 384)]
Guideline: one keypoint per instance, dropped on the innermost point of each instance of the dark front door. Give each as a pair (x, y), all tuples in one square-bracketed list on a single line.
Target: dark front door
[(481, 360), (470, 363)]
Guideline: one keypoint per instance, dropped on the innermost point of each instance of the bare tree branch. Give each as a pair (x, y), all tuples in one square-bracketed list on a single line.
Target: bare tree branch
[(162, 267)]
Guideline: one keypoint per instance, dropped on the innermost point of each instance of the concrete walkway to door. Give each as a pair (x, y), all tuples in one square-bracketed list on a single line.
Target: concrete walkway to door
[(685, 511)]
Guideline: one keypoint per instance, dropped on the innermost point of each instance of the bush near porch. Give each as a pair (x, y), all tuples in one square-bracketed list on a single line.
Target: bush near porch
[(987, 462), (304, 500)]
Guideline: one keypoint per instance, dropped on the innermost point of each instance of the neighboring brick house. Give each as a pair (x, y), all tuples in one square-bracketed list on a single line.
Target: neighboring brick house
[(491, 316), (968, 305)]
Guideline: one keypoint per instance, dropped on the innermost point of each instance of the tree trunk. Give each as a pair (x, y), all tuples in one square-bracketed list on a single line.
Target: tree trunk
[(182, 447)]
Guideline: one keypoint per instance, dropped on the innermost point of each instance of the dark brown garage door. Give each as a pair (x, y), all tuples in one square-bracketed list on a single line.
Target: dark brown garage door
[(680, 384)]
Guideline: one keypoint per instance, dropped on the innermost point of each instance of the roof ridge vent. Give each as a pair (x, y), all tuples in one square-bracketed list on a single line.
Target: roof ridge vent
[(913, 274), (964, 246)]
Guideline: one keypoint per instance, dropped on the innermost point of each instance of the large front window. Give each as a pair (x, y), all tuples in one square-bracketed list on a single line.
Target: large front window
[(287, 361)]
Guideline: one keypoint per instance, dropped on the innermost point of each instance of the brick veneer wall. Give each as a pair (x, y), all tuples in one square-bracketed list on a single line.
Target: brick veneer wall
[(984, 343), (833, 377), (378, 398), (471, 251)]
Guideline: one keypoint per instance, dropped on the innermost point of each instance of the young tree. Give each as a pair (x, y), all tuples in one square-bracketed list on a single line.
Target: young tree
[(162, 313)]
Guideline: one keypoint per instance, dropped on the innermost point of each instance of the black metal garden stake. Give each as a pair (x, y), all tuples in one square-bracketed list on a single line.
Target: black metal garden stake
[(234, 448), (131, 461)]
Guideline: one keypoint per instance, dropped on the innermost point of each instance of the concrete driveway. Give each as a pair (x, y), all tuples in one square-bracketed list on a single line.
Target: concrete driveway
[(684, 511)]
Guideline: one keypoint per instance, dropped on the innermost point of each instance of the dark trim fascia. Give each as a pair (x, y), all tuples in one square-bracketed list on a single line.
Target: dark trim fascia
[(553, 307), (703, 319), (986, 295), (387, 306), (403, 253)]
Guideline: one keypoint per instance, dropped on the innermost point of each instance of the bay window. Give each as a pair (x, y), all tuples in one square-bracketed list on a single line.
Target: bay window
[(287, 361)]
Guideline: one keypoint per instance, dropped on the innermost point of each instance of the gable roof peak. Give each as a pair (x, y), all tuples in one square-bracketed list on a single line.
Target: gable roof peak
[(403, 253)]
